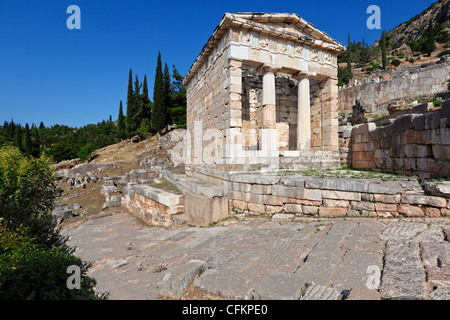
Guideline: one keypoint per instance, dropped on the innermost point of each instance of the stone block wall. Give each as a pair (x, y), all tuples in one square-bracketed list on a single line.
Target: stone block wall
[(407, 83), (288, 198), (209, 98), (153, 206), (413, 145)]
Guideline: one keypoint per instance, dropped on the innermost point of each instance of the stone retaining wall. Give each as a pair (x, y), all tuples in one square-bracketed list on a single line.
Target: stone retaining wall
[(413, 145), (156, 207), (287, 198), (407, 84)]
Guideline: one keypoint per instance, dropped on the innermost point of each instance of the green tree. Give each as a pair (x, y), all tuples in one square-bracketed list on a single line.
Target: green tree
[(34, 257), (130, 106), (121, 127), (383, 50), (86, 152), (429, 46), (158, 114), (349, 58), (167, 95), (18, 137), (36, 144), (146, 104), (28, 146), (27, 195), (178, 99)]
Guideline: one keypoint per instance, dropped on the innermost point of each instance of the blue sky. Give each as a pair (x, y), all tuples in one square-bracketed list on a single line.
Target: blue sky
[(74, 77)]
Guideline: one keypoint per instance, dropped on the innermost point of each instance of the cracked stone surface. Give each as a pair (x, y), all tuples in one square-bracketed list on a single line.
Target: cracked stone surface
[(319, 259)]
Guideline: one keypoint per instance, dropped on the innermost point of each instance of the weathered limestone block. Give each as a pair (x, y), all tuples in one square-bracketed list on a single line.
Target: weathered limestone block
[(432, 212), (204, 210), (385, 207), (424, 200), (362, 205), (273, 200), (332, 212), (293, 208), (241, 205), (335, 203), (384, 198), (310, 210), (410, 211), (257, 208), (273, 209), (441, 152), (341, 195)]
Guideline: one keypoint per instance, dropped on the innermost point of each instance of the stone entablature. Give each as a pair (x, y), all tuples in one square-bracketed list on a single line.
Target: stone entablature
[(269, 48)]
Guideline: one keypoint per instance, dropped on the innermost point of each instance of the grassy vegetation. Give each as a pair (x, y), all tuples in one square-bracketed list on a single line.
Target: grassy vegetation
[(166, 185), (348, 173)]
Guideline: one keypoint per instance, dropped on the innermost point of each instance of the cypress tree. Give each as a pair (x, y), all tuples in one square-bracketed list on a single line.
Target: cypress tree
[(167, 94), (429, 46), (28, 147), (157, 114), (349, 59), (36, 143), (383, 50), (18, 137), (146, 101), (121, 127), (130, 108)]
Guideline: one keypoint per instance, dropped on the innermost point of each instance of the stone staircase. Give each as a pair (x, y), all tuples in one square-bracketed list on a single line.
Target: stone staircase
[(204, 203)]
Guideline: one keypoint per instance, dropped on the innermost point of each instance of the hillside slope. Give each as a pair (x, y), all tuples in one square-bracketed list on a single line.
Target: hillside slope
[(414, 28)]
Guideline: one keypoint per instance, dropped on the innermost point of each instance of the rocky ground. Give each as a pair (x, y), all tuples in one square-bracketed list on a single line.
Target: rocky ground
[(320, 259)]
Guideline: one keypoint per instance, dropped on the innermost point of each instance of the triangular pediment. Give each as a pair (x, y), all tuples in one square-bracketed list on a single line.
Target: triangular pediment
[(286, 25)]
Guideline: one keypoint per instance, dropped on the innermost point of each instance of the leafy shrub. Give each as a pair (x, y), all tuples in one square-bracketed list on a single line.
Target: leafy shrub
[(30, 271), (86, 152), (395, 62), (436, 103), (401, 55), (443, 53), (412, 60), (27, 195)]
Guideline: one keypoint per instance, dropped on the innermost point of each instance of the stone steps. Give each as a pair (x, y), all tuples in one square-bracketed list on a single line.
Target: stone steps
[(195, 185)]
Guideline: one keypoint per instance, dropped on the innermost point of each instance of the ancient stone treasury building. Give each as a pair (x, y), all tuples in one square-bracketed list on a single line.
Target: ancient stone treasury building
[(263, 94)]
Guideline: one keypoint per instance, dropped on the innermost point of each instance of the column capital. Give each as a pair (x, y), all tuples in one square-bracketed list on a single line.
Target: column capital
[(303, 74), (268, 68)]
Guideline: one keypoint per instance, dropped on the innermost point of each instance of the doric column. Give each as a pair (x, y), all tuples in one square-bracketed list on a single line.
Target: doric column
[(269, 133), (303, 115), (269, 112)]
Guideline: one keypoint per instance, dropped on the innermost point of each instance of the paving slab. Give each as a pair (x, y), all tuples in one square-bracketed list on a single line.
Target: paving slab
[(226, 283), (355, 269), (280, 286), (321, 292), (176, 282), (403, 273), (257, 258)]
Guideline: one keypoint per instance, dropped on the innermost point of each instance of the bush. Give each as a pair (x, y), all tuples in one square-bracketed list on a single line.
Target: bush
[(401, 55), (436, 103), (443, 53), (34, 256), (412, 60), (144, 128), (395, 62), (86, 152), (30, 271), (27, 195)]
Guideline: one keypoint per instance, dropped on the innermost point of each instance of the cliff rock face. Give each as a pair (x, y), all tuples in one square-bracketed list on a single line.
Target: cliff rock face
[(414, 27)]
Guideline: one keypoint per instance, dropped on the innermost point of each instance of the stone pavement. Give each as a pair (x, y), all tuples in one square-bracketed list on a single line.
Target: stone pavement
[(352, 258)]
